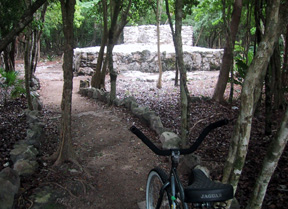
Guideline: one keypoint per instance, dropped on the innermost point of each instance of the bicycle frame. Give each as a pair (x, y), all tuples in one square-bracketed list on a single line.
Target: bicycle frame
[(175, 184)]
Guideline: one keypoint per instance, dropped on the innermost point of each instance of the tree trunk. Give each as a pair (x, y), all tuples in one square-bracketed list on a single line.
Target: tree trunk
[(98, 79), (271, 159), (114, 33), (37, 36), (273, 88), (111, 43), (159, 5), (8, 55), (231, 83), (31, 54), (174, 41), (268, 100), (228, 52), (198, 38), (278, 89), (249, 96), (184, 93), (28, 68), (65, 150), (285, 62)]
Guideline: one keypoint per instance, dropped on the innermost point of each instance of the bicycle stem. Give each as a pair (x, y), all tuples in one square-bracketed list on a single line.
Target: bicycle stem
[(175, 181)]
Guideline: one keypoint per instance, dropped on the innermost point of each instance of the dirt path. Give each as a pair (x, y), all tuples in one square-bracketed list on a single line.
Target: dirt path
[(117, 161)]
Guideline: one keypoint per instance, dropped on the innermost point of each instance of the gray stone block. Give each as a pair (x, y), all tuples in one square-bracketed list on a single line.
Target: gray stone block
[(10, 183), (25, 167), (23, 151), (170, 140)]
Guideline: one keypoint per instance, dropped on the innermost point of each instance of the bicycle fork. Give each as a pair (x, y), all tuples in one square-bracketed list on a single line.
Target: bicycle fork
[(162, 191)]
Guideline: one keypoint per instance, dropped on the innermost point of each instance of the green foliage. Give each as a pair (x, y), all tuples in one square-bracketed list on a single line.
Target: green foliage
[(142, 13), (53, 38), (50, 57), (207, 18), (11, 84), (10, 12), (242, 62)]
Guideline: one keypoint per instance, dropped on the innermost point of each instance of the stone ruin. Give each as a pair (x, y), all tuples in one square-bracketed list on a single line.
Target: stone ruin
[(139, 52), (147, 34)]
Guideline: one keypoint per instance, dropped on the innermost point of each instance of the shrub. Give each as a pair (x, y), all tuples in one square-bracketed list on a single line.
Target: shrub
[(11, 84)]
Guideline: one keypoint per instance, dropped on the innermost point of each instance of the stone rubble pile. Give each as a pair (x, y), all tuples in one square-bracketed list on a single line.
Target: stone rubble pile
[(23, 155)]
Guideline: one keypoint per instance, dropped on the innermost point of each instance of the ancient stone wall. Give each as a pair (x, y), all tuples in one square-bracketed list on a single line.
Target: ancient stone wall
[(147, 34), (139, 52), (144, 58)]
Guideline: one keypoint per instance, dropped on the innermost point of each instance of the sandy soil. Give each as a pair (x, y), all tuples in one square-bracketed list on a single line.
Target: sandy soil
[(116, 159)]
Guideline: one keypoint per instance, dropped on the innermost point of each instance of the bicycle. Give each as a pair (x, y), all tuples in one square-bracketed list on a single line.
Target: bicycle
[(169, 192)]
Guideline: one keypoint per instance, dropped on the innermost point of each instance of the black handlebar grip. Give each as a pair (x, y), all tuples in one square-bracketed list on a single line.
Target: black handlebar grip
[(150, 144)]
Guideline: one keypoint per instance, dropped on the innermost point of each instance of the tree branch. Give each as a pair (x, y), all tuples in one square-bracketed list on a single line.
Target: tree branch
[(26, 18)]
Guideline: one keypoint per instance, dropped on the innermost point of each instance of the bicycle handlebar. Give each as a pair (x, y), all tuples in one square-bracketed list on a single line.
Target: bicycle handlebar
[(190, 150)]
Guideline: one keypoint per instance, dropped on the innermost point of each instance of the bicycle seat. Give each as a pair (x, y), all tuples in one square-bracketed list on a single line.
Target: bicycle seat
[(203, 189)]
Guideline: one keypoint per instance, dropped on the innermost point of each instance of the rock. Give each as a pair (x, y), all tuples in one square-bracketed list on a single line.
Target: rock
[(34, 136), (127, 102), (106, 97), (35, 84), (170, 140), (118, 102), (76, 63), (32, 116), (46, 197), (42, 197), (85, 83), (189, 162), (35, 132), (142, 205), (23, 151), (134, 107), (83, 91), (202, 168), (25, 167), (10, 183), (156, 124), (139, 111), (37, 105), (192, 160), (90, 92), (85, 71), (100, 95)]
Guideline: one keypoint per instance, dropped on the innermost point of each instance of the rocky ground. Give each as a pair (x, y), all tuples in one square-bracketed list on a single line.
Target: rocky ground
[(117, 161)]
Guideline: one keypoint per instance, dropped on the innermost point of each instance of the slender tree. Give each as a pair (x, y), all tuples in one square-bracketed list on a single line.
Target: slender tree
[(158, 17), (32, 41), (115, 30), (65, 151), (98, 78), (251, 92), (184, 92), (274, 153), (174, 41), (227, 60)]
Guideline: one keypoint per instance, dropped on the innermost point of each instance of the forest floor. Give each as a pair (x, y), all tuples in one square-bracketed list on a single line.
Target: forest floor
[(116, 160)]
